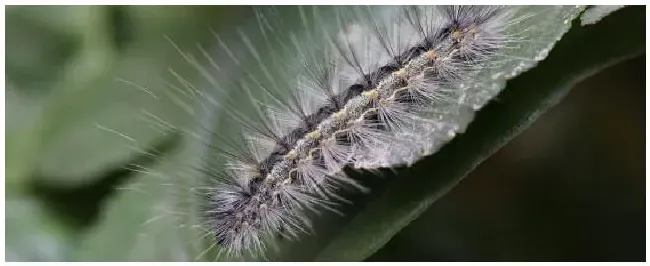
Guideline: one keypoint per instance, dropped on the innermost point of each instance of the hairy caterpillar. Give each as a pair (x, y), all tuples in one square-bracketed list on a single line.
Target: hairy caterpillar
[(379, 87)]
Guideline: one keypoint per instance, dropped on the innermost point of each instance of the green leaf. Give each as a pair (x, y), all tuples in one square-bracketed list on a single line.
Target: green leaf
[(67, 61), (32, 233), (20, 129), (62, 80), (142, 222), (617, 37), (155, 216)]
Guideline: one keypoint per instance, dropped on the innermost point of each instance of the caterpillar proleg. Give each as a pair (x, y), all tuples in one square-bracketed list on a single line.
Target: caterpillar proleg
[(347, 88)]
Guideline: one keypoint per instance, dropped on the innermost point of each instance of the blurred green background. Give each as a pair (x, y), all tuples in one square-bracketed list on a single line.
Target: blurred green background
[(571, 187)]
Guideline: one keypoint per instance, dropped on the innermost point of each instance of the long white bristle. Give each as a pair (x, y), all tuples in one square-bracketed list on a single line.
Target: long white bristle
[(359, 87)]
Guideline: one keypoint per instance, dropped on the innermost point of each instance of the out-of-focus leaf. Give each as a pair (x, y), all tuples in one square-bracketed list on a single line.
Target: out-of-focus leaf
[(152, 218), (72, 60), (32, 234), (155, 218), (89, 199), (20, 131), (527, 97)]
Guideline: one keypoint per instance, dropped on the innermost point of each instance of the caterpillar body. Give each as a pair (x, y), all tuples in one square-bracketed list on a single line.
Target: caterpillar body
[(379, 87)]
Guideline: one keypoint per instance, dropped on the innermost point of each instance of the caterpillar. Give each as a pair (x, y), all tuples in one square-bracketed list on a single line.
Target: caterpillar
[(360, 88)]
